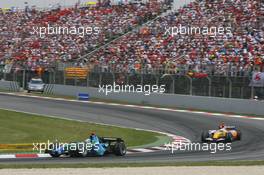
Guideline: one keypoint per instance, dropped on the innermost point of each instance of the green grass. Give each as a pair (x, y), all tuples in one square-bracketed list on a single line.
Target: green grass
[(111, 165), (16, 127)]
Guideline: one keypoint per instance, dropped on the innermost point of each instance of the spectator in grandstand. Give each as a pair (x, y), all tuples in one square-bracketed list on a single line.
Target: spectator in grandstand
[(230, 54), (235, 53), (22, 48)]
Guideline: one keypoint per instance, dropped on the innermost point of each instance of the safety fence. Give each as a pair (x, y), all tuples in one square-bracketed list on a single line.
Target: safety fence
[(214, 86)]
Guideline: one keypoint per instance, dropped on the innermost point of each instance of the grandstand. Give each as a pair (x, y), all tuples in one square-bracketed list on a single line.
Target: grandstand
[(133, 39), (235, 54), (26, 50)]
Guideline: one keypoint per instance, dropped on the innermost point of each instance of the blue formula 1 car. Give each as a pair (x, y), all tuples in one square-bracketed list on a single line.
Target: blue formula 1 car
[(93, 146)]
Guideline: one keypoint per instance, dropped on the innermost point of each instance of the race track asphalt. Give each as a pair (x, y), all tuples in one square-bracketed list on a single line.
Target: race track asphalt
[(188, 125)]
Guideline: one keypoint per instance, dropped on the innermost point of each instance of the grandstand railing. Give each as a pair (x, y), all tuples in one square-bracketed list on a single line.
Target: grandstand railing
[(213, 85)]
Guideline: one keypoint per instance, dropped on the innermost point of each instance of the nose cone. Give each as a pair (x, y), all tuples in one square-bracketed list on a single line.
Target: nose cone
[(217, 135)]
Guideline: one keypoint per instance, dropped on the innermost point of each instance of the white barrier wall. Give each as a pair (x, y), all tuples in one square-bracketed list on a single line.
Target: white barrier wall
[(9, 86), (240, 106)]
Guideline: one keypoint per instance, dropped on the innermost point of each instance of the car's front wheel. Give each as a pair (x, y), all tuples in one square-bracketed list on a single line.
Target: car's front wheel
[(204, 136)]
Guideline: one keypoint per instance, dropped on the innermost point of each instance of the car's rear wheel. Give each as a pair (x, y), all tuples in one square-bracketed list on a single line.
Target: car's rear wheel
[(228, 138), (120, 149)]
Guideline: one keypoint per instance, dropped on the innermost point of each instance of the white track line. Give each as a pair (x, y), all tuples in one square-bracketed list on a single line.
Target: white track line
[(8, 156)]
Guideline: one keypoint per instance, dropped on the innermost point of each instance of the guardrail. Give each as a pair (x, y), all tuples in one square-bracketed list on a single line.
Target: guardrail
[(226, 105)]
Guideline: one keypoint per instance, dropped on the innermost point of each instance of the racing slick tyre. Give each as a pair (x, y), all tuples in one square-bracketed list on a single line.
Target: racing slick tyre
[(120, 149), (204, 136), (238, 135), (228, 138), (84, 154)]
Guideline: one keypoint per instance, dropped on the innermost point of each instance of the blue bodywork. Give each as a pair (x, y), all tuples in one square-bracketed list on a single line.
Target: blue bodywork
[(95, 147), (98, 148)]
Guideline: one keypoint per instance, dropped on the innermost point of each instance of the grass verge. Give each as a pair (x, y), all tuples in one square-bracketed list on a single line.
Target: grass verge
[(19, 127)]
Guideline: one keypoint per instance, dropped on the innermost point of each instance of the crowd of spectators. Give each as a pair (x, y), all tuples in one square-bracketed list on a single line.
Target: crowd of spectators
[(149, 49), (24, 49), (235, 53)]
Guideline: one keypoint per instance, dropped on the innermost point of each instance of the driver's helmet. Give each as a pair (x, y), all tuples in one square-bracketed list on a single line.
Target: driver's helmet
[(93, 138), (222, 125)]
